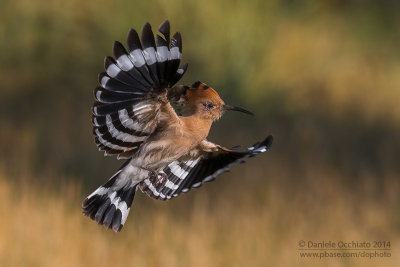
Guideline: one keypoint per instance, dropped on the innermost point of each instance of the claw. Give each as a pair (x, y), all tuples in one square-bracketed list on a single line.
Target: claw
[(158, 178), (162, 177)]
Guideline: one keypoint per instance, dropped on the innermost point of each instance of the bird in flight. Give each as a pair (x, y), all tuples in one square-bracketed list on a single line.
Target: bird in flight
[(166, 151)]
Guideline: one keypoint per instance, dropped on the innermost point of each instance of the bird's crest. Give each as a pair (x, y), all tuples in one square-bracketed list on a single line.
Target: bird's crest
[(200, 85), (201, 90)]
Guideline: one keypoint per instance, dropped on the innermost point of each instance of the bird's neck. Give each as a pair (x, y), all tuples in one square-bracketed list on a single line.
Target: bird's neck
[(196, 126)]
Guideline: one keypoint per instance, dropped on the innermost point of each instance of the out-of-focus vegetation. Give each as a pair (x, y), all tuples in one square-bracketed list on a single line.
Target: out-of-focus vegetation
[(322, 76), (223, 226)]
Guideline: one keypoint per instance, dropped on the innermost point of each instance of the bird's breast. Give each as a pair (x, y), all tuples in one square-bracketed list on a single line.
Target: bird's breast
[(156, 154), (171, 141)]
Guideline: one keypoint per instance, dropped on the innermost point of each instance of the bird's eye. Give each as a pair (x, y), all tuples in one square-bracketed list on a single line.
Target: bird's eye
[(208, 105)]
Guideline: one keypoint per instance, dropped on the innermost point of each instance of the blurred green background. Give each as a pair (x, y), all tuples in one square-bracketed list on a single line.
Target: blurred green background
[(322, 76)]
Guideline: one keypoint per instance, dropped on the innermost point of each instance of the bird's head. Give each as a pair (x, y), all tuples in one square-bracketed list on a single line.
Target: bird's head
[(205, 101)]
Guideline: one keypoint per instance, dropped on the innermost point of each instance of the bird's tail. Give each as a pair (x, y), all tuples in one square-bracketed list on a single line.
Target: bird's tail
[(109, 204)]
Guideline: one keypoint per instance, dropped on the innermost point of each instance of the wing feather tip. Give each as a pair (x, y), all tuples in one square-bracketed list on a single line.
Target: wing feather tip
[(177, 41), (268, 141), (164, 27), (133, 40), (147, 36)]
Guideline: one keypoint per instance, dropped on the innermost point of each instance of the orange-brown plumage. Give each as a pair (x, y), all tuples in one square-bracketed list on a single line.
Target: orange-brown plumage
[(177, 135), (166, 153), (204, 102)]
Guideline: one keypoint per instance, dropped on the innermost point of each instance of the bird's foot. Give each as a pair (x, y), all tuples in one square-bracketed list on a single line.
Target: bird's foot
[(158, 178)]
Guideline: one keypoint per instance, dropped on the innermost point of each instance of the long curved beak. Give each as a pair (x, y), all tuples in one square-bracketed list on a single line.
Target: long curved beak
[(227, 107)]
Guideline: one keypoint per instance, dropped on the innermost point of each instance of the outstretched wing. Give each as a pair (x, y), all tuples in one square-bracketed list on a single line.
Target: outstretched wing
[(185, 174), (133, 89)]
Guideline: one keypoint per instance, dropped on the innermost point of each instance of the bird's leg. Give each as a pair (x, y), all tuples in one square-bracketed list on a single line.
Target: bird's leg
[(157, 178), (153, 176), (162, 178)]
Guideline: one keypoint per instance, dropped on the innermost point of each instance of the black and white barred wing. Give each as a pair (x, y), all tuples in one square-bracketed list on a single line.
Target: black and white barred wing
[(181, 176), (126, 107)]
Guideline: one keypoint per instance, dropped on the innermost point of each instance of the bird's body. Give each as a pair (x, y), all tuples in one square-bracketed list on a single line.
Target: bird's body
[(175, 136), (133, 117)]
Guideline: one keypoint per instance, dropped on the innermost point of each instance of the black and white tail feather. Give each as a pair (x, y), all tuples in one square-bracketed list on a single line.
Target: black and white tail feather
[(110, 203)]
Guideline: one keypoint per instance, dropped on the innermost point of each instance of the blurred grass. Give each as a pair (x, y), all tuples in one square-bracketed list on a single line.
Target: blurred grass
[(221, 225), (322, 76)]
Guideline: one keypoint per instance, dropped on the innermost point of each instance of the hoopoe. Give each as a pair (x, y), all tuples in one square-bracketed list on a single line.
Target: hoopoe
[(133, 118)]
